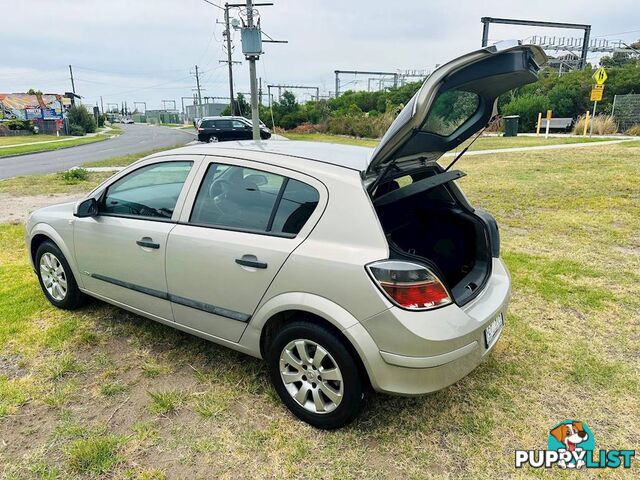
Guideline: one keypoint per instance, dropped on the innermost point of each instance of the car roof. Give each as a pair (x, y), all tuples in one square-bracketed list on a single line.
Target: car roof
[(224, 117), (347, 156)]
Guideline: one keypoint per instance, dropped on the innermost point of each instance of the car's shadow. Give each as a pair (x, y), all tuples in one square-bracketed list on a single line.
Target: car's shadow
[(218, 363)]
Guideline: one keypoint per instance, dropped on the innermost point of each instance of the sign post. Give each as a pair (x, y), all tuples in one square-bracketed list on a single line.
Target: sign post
[(596, 93), (539, 123), (546, 132), (586, 123)]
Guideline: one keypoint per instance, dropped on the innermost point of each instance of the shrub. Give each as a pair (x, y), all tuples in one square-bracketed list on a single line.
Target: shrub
[(19, 125), (527, 106), (79, 115), (74, 175), (634, 130), (309, 128), (369, 126), (602, 125), (76, 130)]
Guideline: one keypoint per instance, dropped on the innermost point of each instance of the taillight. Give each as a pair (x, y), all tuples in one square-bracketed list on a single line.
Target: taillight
[(200, 129), (409, 285)]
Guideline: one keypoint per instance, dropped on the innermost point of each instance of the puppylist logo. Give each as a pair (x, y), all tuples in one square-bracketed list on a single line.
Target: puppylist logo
[(571, 445)]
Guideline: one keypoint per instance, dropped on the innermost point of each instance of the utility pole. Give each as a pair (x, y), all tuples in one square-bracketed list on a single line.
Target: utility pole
[(255, 119), (73, 85), (101, 105), (227, 34), (199, 92)]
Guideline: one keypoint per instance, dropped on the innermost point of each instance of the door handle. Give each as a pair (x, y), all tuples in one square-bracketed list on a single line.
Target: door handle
[(147, 242), (250, 261)]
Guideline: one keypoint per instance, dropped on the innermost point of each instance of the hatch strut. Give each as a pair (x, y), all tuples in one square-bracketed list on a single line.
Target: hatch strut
[(464, 150), (381, 175)]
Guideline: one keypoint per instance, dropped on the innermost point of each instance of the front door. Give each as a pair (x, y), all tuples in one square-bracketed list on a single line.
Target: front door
[(225, 252), (121, 251)]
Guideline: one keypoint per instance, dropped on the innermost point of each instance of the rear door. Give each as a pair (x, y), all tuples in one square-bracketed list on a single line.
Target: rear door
[(241, 130), (243, 222), (456, 101), (224, 130)]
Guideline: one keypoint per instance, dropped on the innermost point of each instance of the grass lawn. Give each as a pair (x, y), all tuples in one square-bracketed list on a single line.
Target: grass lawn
[(101, 393), (4, 141), (45, 147), (483, 143), (53, 183)]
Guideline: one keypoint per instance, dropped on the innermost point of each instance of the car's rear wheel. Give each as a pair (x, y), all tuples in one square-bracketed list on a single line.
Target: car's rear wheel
[(315, 375), (56, 279), (213, 139)]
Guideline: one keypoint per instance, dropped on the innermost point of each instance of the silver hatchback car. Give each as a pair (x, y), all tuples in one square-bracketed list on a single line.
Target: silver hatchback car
[(345, 268)]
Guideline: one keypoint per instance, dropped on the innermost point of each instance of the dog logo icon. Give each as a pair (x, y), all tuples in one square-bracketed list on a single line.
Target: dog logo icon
[(571, 436), (570, 444)]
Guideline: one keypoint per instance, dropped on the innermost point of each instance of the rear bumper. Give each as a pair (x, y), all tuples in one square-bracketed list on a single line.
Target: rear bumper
[(412, 353)]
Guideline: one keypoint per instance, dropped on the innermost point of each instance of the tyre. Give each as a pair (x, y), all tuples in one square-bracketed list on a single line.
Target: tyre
[(315, 375), (56, 279), (212, 139)]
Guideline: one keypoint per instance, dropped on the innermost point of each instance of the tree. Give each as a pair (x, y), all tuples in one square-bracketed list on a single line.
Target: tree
[(81, 120), (31, 91), (621, 59), (527, 106), (243, 106)]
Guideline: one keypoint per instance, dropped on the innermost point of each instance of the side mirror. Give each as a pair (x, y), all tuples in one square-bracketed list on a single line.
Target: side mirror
[(86, 208)]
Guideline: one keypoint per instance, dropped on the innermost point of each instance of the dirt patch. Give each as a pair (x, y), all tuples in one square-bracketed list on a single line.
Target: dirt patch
[(16, 209)]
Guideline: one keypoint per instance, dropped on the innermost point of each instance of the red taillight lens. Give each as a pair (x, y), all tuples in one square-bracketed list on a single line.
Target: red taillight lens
[(409, 285), (201, 129)]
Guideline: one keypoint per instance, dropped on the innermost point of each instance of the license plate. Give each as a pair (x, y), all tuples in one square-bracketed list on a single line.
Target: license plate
[(493, 330)]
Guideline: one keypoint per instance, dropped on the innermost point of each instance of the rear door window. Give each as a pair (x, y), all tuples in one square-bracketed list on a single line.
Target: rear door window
[(236, 197), (246, 199)]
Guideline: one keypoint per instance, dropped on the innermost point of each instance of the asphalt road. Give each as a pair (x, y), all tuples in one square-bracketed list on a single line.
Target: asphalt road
[(134, 139)]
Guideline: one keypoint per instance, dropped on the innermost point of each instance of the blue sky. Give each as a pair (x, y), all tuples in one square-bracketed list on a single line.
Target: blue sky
[(144, 50)]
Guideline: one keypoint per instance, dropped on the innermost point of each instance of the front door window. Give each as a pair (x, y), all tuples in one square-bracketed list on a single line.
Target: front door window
[(150, 192)]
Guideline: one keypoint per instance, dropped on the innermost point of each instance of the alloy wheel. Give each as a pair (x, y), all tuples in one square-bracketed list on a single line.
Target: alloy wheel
[(53, 276), (311, 376)]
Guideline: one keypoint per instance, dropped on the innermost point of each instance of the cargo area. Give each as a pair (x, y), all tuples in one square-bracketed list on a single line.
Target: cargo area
[(437, 227)]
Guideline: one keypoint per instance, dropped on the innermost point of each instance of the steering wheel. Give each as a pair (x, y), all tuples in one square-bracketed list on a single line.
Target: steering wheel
[(219, 187)]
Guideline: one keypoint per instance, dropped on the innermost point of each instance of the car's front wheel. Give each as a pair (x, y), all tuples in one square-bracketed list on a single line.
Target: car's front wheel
[(56, 279), (315, 375)]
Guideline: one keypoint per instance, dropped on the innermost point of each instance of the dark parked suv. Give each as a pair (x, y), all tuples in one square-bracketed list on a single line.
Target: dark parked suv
[(220, 129)]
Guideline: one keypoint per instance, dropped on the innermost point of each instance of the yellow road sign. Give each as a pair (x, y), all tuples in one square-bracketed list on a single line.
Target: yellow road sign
[(596, 93), (600, 76)]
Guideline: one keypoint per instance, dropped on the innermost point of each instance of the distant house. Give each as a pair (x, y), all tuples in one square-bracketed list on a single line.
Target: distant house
[(47, 110), (564, 62)]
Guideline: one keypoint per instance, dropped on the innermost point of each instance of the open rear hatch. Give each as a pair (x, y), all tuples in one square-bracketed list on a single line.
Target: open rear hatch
[(425, 216)]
